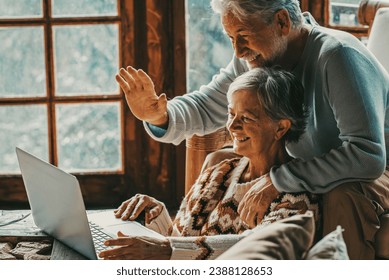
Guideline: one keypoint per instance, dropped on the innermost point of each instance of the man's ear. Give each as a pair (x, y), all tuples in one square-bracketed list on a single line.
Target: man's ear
[(283, 127), (282, 20)]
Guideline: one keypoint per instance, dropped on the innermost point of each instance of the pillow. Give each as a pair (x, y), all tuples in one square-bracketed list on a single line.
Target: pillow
[(289, 238), (331, 247)]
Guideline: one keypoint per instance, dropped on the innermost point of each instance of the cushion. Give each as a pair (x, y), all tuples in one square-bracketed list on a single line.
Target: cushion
[(289, 238), (331, 247)]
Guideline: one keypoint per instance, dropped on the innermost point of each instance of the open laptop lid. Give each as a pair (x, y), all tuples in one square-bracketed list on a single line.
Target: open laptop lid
[(56, 203)]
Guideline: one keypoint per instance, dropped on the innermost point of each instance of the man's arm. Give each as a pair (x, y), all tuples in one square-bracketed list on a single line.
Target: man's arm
[(357, 93), (200, 112)]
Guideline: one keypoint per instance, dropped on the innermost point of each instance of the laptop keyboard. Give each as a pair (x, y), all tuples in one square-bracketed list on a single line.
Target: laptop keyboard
[(99, 236)]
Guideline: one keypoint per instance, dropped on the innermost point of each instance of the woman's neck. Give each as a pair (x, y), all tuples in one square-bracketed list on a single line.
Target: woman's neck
[(259, 166)]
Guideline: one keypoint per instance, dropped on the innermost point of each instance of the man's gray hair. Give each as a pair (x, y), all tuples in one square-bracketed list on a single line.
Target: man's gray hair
[(280, 94), (263, 9)]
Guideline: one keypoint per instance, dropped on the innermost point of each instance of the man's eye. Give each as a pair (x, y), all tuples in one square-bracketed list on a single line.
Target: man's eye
[(246, 119)]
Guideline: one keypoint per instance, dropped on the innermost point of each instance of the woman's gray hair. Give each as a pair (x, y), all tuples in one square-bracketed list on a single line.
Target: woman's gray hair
[(279, 93), (263, 9)]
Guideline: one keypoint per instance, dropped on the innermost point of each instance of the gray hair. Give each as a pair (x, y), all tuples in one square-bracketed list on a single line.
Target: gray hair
[(280, 94), (263, 9)]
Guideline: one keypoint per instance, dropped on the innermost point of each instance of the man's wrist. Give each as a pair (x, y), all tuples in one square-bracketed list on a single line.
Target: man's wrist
[(162, 122)]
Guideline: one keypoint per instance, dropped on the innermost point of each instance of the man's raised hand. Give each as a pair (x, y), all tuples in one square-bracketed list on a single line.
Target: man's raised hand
[(141, 97)]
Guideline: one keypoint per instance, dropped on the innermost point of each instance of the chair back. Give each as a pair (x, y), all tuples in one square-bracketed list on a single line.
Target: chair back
[(378, 42)]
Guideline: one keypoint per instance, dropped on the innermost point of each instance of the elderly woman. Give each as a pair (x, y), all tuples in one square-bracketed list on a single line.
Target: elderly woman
[(265, 110)]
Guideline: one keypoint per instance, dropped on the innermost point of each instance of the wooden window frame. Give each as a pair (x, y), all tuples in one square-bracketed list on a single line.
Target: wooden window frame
[(320, 10), (148, 166)]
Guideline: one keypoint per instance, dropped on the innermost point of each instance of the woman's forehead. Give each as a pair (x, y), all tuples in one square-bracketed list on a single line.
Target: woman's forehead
[(243, 97)]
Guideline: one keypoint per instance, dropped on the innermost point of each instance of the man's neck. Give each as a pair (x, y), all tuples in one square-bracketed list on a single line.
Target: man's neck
[(296, 44)]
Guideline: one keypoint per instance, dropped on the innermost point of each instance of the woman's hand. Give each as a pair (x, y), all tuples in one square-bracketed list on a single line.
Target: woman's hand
[(142, 98), (131, 208), (256, 201), (137, 248)]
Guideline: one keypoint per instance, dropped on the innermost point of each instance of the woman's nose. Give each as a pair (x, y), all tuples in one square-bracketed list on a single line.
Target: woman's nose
[(233, 125)]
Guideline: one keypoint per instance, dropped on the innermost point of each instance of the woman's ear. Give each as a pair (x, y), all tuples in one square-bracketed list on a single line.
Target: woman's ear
[(283, 127)]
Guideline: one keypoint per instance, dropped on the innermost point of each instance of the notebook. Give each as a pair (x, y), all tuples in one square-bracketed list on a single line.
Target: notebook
[(58, 209)]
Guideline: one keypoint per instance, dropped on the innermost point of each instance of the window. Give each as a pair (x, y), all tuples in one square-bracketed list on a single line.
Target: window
[(344, 12), (343, 15), (58, 97), (206, 40)]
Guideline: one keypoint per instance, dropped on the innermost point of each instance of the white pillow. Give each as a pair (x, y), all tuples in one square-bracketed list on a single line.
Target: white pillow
[(331, 247)]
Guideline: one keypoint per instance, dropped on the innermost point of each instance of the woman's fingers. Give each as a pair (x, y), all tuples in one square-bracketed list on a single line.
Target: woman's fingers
[(119, 211), (139, 207), (126, 208), (121, 241), (133, 207)]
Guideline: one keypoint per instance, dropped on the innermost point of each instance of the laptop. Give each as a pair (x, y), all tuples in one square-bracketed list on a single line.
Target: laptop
[(58, 209)]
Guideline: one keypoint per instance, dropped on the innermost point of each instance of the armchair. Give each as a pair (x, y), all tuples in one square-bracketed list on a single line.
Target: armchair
[(376, 15)]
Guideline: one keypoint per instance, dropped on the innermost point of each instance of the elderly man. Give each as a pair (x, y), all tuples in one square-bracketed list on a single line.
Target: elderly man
[(344, 150)]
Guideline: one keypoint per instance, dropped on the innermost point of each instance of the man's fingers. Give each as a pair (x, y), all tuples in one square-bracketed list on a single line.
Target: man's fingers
[(146, 81), (251, 218), (135, 77), (129, 78), (123, 83)]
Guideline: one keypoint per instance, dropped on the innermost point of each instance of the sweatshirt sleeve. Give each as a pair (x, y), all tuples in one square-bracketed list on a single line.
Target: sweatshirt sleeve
[(356, 91), (200, 112)]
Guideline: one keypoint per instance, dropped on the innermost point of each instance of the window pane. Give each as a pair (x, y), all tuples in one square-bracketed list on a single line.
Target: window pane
[(344, 12), (24, 127), (20, 8), (76, 8), (89, 136), (86, 59), (22, 63), (206, 40)]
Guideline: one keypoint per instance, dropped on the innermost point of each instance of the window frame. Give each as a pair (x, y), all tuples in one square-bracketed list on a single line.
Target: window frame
[(358, 31), (148, 166), (320, 9), (51, 100)]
